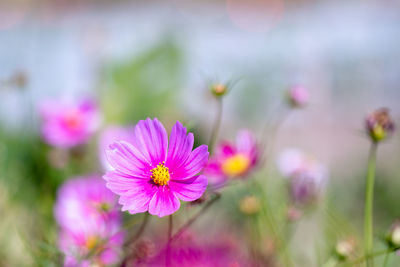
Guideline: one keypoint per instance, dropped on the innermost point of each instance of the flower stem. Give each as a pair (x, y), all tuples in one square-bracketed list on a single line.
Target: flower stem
[(168, 252), (386, 260), (369, 198), (332, 262), (371, 256), (135, 237), (196, 216), (216, 126), (140, 231)]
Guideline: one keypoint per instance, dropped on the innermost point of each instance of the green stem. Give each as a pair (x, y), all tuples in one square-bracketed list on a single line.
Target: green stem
[(196, 216), (140, 231), (369, 198), (386, 260), (371, 256), (332, 262), (168, 251), (216, 126), (278, 236)]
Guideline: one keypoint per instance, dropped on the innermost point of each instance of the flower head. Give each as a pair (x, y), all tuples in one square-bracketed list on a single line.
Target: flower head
[(89, 220), (307, 177), (379, 124), (297, 96), (233, 160), (150, 175), (68, 124)]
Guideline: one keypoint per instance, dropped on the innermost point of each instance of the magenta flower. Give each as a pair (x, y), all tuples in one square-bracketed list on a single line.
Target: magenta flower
[(90, 222), (108, 136), (298, 96), (66, 125), (233, 160), (150, 175)]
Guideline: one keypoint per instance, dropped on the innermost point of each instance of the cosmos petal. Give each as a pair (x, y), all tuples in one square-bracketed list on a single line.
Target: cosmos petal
[(189, 189)]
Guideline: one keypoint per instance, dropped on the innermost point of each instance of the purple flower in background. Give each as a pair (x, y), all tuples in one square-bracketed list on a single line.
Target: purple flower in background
[(307, 176), (298, 96), (67, 124), (150, 175), (89, 219), (233, 160), (108, 136)]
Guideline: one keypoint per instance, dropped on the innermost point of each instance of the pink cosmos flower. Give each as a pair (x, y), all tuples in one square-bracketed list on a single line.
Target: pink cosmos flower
[(89, 219), (68, 124), (150, 175), (108, 136), (307, 176), (233, 160), (298, 96)]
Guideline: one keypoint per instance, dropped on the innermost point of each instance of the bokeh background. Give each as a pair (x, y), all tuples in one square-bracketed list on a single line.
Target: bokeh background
[(143, 59)]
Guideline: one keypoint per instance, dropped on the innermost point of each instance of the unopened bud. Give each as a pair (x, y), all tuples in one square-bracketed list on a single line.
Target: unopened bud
[(219, 89), (379, 124), (250, 205), (19, 79), (393, 237), (293, 214), (345, 248), (297, 96)]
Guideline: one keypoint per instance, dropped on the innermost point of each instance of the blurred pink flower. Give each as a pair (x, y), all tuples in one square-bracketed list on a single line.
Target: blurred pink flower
[(307, 176), (233, 160), (298, 96), (89, 218), (108, 136), (151, 176), (189, 252), (68, 124)]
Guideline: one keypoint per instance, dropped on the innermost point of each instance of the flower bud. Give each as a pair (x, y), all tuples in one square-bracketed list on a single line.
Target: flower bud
[(393, 237), (297, 96), (344, 248), (293, 214), (250, 205), (219, 89), (379, 124), (19, 79)]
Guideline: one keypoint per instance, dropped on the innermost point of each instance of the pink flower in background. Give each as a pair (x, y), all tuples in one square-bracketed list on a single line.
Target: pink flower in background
[(307, 176), (151, 176), (68, 124), (233, 160), (90, 221), (298, 96), (108, 136), (188, 251)]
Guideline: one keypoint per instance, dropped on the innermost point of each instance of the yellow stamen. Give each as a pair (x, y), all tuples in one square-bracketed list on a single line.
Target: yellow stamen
[(91, 242), (160, 174), (236, 165)]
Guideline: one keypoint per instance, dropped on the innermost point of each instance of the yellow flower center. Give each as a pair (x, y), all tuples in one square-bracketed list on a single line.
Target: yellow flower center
[(160, 174), (91, 242), (236, 165)]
